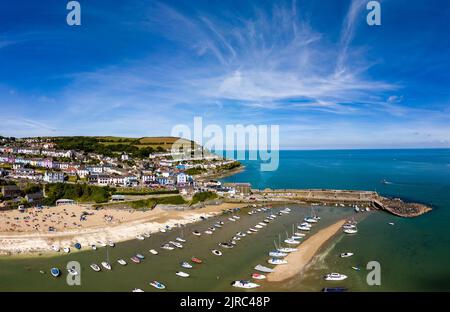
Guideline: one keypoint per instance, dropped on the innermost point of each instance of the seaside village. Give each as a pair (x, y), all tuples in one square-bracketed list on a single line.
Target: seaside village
[(28, 165)]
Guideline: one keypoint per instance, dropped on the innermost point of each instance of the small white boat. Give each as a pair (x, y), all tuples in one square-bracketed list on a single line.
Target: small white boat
[(241, 234), (180, 239), (216, 252), (346, 254), (137, 290), (276, 261), (208, 232), (140, 237), (258, 276), (111, 244), (349, 226), (291, 241), (350, 231), (262, 224), (147, 235), (66, 249), (335, 277), (249, 232), (310, 220), (262, 268), (186, 265), (237, 217), (182, 274), (95, 267), (236, 238), (102, 244), (176, 244), (167, 247), (287, 249), (277, 254), (196, 233), (391, 223), (244, 284), (55, 248), (299, 234), (258, 226), (217, 225), (296, 237), (306, 224), (356, 209), (153, 252), (232, 219), (94, 247), (157, 285), (253, 230), (303, 228), (122, 262), (162, 230), (72, 272), (106, 265)]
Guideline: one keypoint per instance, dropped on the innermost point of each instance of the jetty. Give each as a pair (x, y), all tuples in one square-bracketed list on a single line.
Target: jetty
[(367, 199)]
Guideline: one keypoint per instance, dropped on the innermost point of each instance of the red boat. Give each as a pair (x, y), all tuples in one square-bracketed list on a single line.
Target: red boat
[(196, 260)]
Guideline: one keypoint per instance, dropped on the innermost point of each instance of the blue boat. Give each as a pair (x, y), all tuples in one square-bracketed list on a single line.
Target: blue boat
[(77, 246), (140, 256), (55, 272)]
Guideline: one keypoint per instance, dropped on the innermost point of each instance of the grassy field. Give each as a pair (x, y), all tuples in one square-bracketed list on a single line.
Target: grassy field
[(154, 142)]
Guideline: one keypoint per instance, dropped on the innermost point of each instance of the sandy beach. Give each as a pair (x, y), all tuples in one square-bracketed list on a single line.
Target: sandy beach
[(298, 260), (28, 232)]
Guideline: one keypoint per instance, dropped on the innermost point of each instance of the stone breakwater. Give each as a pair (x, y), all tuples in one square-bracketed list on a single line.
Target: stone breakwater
[(371, 199)]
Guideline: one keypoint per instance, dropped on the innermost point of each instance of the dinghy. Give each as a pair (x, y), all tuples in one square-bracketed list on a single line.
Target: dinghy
[(167, 247), (66, 249), (244, 284), (180, 239), (77, 246), (122, 262), (153, 252), (140, 256), (258, 226), (208, 232), (335, 277), (55, 248), (140, 237), (95, 267), (263, 269), (216, 252), (157, 285), (111, 244), (94, 247), (196, 260), (196, 233), (106, 265), (186, 265), (258, 276), (182, 274), (356, 268), (346, 254), (55, 272), (147, 235), (226, 245), (277, 254), (137, 290), (135, 260), (276, 261), (253, 230)]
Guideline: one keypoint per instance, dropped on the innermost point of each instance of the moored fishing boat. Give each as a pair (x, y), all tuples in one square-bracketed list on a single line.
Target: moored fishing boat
[(291, 241), (335, 277), (176, 244), (153, 251), (196, 233), (182, 240), (106, 265), (157, 285), (95, 267), (216, 252), (167, 247), (182, 274), (253, 230), (310, 220), (258, 276), (55, 272), (351, 231), (258, 226), (122, 262), (196, 260), (225, 245), (244, 284), (208, 232), (303, 228)]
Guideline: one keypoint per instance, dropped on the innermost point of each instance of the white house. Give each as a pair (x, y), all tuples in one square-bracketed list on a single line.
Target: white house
[(182, 178), (54, 177)]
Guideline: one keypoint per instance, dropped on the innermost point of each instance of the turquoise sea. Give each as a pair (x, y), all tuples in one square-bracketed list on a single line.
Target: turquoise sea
[(415, 253)]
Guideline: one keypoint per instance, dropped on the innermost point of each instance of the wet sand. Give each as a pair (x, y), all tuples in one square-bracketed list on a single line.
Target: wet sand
[(298, 260), (28, 232)]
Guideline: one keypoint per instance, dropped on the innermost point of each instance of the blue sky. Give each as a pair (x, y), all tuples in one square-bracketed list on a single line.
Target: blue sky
[(137, 68)]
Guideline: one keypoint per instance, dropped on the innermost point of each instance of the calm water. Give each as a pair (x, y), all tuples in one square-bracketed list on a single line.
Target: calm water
[(414, 254)]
